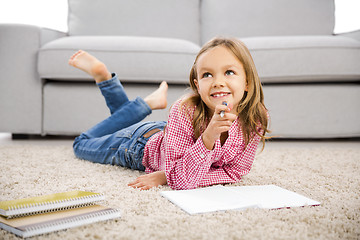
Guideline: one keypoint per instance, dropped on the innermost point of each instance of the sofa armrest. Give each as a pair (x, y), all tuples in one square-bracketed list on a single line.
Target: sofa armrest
[(48, 35), (20, 85), (355, 35)]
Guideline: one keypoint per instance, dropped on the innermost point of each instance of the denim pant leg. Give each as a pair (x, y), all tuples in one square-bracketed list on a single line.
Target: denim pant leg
[(99, 143), (130, 152), (129, 114), (124, 113), (97, 149), (122, 148), (113, 92)]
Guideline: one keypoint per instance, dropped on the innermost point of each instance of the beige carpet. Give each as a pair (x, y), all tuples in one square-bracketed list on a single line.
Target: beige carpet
[(330, 176)]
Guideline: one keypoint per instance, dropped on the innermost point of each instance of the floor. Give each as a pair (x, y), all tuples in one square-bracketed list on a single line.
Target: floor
[(6, 139)]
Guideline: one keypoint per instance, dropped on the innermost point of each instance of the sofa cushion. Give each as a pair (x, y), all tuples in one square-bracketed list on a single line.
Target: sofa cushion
[(305, 58), (135, 59), (249, 18), (150, 18)]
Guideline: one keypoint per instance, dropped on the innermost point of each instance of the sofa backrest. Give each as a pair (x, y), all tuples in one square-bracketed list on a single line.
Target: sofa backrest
[(150, 18), (251, 18)]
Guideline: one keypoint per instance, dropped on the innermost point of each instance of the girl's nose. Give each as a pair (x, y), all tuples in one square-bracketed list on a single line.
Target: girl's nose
[(219, 82)]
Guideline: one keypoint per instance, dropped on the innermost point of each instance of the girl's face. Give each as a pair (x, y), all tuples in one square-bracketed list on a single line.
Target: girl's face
[(221, 77)]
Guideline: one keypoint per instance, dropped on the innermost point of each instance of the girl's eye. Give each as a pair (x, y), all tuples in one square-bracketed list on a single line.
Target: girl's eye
[(229, 72), (206, 75)]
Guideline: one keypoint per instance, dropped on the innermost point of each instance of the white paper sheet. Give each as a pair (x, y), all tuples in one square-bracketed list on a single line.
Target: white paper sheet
[(220, 198)]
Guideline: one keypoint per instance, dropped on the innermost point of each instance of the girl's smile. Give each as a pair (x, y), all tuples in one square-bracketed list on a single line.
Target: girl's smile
[(220, 94), (221, 77)]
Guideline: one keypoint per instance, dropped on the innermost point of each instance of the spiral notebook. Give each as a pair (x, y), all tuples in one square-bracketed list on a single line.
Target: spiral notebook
[(52, 202), (32, 225), (38, 215)]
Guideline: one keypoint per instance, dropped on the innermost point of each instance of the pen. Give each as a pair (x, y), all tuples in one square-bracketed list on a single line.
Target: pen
[(222, 113)]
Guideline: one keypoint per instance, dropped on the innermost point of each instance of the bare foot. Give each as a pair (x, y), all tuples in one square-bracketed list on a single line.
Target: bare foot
[(91, 65), (158, 98)]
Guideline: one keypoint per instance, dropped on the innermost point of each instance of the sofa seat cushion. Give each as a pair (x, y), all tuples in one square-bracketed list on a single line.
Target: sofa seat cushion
[(305, 58), (135, 59)]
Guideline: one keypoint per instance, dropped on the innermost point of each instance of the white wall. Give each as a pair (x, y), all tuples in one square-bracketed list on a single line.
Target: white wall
[(45, 13), (53, 13)]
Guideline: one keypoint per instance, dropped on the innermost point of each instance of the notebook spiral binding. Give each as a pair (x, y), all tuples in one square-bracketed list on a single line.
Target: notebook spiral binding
[(73, 222), (52, 206)]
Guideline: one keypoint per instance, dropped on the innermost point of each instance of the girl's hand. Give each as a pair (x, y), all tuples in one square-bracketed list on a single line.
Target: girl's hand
[(148, 181), (218, 125)]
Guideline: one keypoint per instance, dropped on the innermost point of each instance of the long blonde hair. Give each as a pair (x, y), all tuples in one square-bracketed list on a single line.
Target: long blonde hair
[(251, 109)]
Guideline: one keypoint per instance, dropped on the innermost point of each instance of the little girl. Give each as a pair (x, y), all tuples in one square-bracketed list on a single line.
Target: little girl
[(211, 136)]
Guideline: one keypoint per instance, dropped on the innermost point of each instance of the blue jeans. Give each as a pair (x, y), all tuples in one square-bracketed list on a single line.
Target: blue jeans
[(120, 139)]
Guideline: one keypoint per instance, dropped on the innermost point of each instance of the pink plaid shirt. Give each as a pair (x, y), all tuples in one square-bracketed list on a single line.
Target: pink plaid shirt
[(188, 163)]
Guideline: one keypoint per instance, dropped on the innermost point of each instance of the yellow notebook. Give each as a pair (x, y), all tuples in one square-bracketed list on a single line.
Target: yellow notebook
[(47, 203), (29, 226)]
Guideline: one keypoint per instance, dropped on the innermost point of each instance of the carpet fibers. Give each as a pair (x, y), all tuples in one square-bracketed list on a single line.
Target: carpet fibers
[(328, 175)]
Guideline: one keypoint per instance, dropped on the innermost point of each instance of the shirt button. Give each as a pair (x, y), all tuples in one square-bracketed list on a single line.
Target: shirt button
[(202, 155)]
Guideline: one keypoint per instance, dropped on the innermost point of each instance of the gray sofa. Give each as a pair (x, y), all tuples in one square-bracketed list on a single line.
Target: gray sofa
[(311, 77)]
